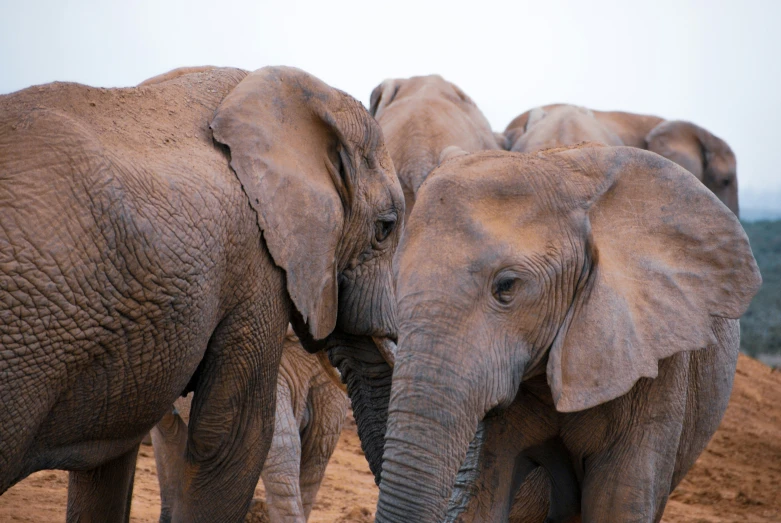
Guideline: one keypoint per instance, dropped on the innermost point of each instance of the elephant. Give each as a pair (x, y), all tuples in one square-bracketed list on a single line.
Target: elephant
[(420, 117), (592, 294), (156, 241), (706, 156), (311, 409)]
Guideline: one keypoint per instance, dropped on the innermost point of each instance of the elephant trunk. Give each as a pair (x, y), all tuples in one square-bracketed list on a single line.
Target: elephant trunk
[(433, 415), (368, 378)]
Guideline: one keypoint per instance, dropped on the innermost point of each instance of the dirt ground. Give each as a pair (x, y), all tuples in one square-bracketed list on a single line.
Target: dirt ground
[(737, 479)]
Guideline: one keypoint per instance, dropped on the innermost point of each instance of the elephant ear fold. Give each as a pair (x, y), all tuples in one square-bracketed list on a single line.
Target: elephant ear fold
[(286, 151), (382, 96), (535, 115), (666, 258)]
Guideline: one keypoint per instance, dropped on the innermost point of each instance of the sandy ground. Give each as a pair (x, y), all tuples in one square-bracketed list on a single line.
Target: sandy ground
[(737, 479)]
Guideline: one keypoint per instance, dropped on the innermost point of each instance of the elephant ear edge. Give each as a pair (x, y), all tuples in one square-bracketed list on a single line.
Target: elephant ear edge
[(382, 96), (667, 257), (278, 130)]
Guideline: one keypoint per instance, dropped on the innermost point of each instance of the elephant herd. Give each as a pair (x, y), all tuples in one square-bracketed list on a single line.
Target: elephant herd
[(535, 325)]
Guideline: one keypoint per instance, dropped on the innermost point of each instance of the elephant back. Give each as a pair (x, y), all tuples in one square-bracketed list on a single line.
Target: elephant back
[(169, 118)]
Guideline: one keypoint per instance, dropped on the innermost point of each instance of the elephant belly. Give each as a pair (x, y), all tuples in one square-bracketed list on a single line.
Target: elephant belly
[(116, 399), (91, 367)]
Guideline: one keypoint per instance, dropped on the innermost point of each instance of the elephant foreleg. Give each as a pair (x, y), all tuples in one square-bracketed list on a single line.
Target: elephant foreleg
[(281, 471), (630, 478), (328, 408), (169, 438), (103, 493), (232, 418)]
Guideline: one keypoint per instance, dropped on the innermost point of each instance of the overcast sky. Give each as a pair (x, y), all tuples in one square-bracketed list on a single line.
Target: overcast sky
[(716, 63)]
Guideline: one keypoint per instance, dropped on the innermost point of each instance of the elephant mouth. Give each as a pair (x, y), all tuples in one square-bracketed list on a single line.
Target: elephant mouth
[(385, 345), (465, 487), (387, 348)]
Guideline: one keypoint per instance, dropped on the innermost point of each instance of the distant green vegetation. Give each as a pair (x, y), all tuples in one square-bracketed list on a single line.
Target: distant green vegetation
[(760, 327)]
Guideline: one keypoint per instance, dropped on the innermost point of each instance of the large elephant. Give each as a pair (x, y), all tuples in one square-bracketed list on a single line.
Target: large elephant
[(706, 156), (422, 116), (311, 409), (594, 292), (158, 240)]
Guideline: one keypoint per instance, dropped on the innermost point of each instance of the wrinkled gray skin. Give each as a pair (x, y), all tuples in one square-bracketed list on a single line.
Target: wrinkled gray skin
[(422, 116), (158, 240), (561, 297), (706, 156), (311, 409)]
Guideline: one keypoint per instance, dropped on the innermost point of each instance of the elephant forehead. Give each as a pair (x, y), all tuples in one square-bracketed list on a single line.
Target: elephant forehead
[(476, 241), (431, 85), (491, 186)]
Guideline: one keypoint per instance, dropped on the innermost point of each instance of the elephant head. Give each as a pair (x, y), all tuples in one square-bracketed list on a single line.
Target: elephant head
[(315, 169), (588, 264), (630, 128), (557, 126), (706, 156), (420, 117)]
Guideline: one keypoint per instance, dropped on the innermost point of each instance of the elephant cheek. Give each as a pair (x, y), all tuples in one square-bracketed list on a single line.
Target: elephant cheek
[(367, 304)]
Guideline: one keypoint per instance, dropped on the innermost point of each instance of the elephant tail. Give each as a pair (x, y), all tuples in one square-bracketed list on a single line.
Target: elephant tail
[(330, 371)]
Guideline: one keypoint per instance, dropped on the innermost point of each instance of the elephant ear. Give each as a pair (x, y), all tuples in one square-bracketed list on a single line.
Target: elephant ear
[(666, 257), (382, 96), (285, 147), (688, 145)]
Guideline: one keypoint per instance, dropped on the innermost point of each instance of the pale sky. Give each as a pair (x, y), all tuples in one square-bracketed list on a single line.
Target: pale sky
[(716, 63)]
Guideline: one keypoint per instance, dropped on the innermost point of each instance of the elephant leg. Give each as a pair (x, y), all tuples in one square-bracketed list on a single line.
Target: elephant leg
[(103, 493), (328, 409), (281, 471), (629, 479), (630, 492), (505, 458), (169, 438), (532, 501), (232, 418)]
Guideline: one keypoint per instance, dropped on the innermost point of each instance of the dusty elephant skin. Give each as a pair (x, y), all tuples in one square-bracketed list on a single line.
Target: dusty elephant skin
[(706, 156), (582, 303), (422, 116), (159, 239), (311, 409)]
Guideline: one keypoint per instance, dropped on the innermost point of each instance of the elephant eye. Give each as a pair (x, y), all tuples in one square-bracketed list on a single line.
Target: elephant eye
[(383, 228), (504, 288), (725, 182)]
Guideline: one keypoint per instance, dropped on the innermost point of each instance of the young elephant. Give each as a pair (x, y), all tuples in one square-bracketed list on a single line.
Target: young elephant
[(706, 156), (158, 240), (420, 117), (311, 409), (593, 293)]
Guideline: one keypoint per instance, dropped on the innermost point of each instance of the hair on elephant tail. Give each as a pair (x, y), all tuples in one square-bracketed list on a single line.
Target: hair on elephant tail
[(330, 371)]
